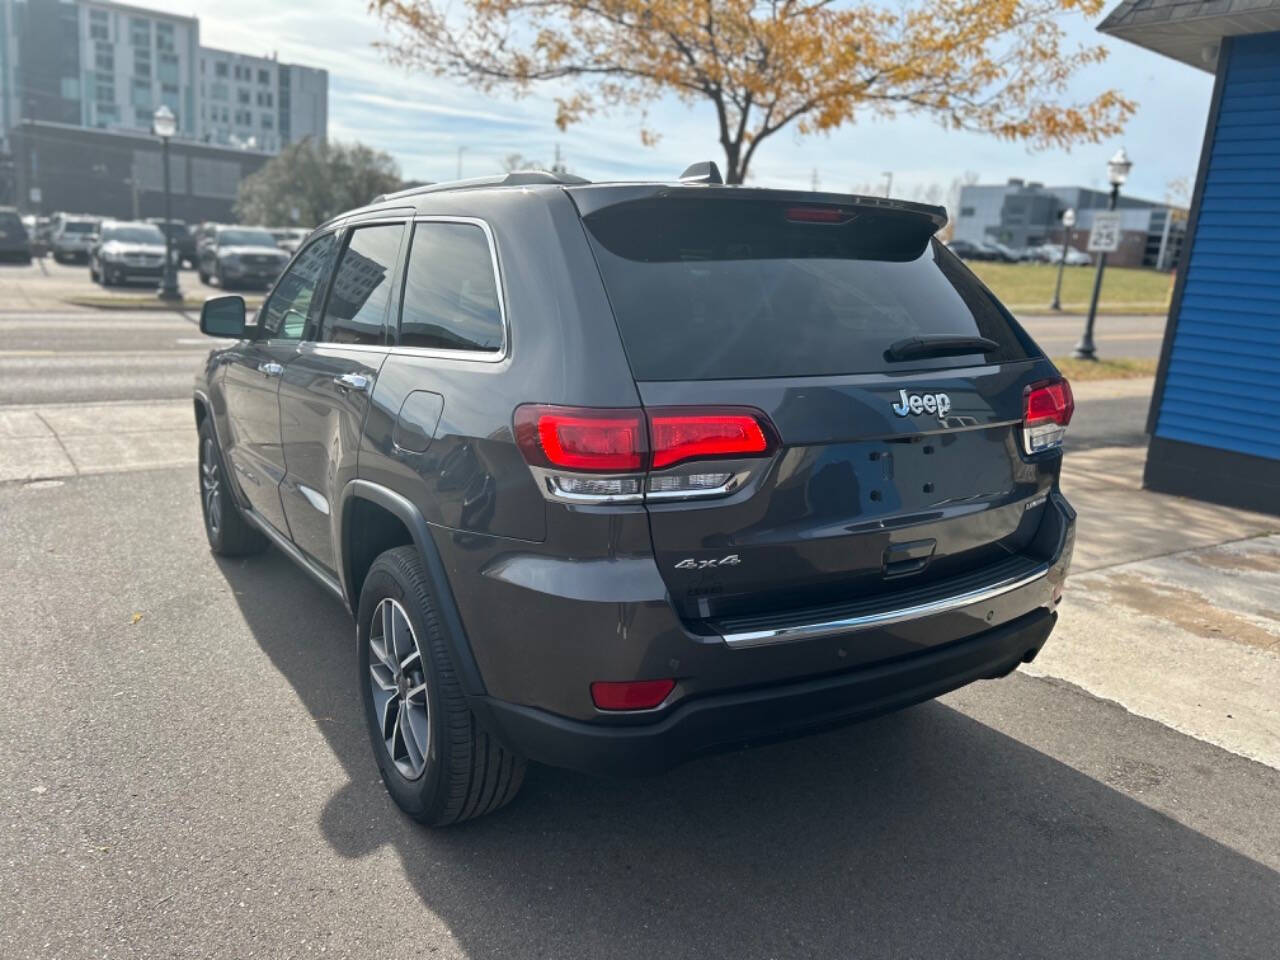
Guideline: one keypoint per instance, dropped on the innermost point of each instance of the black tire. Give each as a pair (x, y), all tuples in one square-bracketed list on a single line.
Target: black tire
[(466, 772), (204, 277), (228, 531)]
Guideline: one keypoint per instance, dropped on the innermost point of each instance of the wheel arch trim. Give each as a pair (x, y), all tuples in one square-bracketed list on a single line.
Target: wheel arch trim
[(447, 608)]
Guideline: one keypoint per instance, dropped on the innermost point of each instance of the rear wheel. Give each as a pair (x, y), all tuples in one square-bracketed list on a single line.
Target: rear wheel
[(230, 535), (438, 764)]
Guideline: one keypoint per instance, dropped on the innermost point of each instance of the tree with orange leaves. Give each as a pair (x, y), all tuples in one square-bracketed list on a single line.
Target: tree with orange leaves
[(995, 66)]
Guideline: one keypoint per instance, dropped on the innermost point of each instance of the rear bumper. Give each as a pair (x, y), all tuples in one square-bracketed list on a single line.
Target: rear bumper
[(712, 723)]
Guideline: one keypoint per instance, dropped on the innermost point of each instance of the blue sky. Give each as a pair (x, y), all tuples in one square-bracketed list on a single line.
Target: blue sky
[(422, 120)]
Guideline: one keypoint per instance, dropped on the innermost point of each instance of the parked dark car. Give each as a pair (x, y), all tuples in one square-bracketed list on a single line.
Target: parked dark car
[(15, 244), (969, 251), (240, 257), (615, 475), (180, 236), (126, 251)]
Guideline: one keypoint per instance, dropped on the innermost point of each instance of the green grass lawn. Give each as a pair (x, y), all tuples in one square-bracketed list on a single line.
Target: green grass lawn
[(1028, 287), (1106, 369)]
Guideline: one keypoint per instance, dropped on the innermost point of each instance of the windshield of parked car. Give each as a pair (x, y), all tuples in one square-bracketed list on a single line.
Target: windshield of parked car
[(133, 233), (245, 238)]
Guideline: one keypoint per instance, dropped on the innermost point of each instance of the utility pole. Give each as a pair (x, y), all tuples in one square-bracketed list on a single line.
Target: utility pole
[(815, 183), (460, 149), (888, 182)]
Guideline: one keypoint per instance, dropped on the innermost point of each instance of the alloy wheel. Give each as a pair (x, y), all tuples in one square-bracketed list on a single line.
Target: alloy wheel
[(397, 678), (211, 486)]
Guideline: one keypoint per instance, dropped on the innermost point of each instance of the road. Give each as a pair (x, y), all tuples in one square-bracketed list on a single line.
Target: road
[(1115, 336), (184, 771)]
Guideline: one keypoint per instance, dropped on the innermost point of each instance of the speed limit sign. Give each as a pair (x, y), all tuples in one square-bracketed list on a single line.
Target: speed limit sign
[(1104, 237)]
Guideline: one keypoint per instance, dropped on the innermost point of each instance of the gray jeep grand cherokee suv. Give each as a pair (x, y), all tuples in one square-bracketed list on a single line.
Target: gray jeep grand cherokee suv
[(613, 475)]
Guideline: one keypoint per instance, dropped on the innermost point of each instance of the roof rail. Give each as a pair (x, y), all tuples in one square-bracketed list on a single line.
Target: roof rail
[(516, 178)]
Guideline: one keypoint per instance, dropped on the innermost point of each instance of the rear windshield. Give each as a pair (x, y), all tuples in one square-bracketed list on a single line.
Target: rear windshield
[(79, 226), (709, 289)]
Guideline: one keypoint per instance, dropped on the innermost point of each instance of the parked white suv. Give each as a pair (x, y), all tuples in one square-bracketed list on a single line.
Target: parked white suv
[(73, 238)]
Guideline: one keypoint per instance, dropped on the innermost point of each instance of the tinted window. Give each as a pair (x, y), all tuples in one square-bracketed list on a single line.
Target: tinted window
[(719, 289), (245, 238), (79, 226), (285, 314), (450, 294), (357, 307)]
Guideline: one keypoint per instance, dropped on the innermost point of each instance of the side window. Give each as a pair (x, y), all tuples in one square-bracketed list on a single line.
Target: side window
[(450, 290), (357, 307), (285, 314)]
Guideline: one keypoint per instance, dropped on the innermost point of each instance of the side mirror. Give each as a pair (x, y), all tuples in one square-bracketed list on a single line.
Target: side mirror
[(223, 317)]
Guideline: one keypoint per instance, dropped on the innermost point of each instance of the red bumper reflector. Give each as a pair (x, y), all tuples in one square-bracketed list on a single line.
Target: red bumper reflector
[(630, 694)]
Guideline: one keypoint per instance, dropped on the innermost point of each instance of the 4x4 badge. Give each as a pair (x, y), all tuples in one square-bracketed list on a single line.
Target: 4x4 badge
[(732, 560), (918, 403)]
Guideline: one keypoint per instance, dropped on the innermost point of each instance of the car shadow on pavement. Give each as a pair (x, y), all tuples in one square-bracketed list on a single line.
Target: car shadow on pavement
[(920, 834)]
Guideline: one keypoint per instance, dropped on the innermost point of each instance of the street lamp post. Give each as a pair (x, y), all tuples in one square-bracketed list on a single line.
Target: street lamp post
[(164, 124), (1118, 168), (1068, 221)]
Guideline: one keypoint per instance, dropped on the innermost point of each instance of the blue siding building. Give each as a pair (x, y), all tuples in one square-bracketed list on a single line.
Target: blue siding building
[(1214, 428)]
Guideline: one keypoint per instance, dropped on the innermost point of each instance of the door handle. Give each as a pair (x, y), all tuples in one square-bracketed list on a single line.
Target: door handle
[(270, 368), (353, 381)]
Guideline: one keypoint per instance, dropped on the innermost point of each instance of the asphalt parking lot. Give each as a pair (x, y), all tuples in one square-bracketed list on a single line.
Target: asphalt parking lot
[(184, 771)]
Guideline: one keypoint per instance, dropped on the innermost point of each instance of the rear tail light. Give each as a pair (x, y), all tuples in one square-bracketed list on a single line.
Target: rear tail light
[(699, 436), (1046, 411), (582, 439), (631, 694), (607, 455)]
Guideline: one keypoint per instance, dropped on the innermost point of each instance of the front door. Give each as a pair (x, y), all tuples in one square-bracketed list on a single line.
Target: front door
[(325, 392), (252, 381)]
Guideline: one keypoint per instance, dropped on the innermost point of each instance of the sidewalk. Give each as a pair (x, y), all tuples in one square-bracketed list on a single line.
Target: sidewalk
[(53, 441), (1172, 609)]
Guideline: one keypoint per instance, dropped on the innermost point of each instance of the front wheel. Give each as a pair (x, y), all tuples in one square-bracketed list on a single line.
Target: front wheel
[(439, 765), (229, 533)]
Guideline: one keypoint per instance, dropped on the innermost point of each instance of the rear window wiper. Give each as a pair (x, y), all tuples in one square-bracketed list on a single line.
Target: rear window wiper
[(915, 348)]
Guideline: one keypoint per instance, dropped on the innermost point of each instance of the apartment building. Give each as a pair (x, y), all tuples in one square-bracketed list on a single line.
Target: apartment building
[(104, 65), (259, 103)]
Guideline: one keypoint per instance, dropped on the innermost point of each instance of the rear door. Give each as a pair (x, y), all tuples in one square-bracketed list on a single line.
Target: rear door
[(324, 395), (859, 338)]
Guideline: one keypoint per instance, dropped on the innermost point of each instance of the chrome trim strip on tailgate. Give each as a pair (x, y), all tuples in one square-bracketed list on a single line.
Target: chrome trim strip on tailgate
[(808, 631)]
